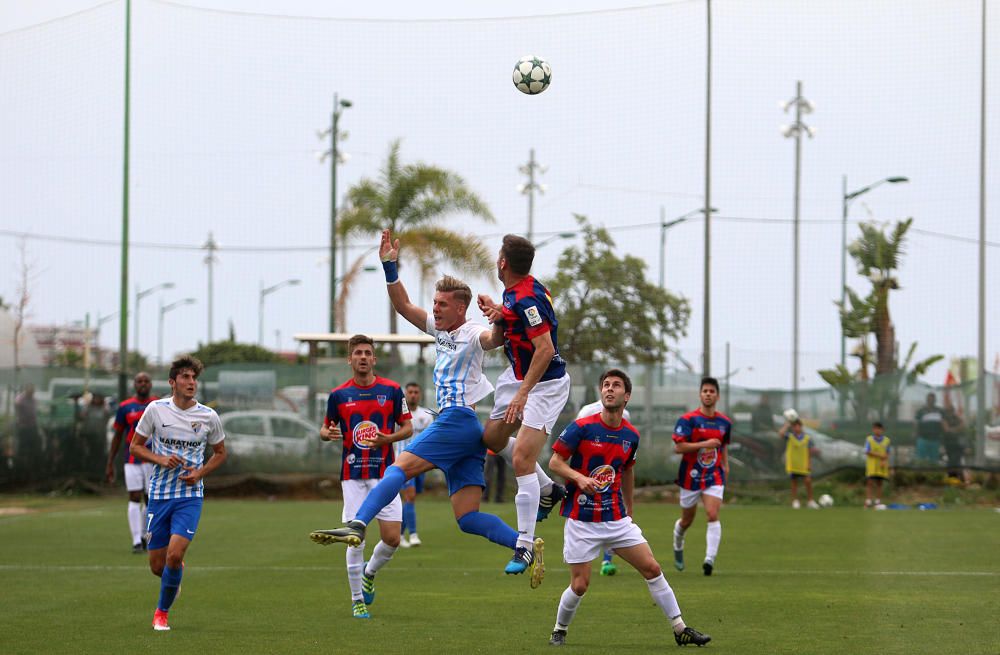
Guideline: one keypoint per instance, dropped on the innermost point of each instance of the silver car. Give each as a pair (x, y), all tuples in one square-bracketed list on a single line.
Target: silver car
[(269, 433)]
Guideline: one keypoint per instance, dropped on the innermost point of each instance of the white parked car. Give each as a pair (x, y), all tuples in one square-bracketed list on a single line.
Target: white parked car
[(269, 432)]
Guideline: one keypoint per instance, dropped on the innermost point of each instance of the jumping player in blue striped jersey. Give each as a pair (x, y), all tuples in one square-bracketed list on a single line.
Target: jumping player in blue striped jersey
[(177, 429), (454, 442)]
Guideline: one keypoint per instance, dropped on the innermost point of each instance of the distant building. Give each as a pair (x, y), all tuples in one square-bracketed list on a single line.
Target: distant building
[(29, 354)]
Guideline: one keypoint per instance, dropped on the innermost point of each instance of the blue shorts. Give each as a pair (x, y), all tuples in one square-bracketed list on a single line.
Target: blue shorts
[(415, 483), (454, 444), (178, 516)]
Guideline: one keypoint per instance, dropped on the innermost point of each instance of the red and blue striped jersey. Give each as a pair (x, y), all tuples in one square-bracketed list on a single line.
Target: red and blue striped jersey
[(603, 453), (702, 468), (528, 313), (126, 418), (361, 412)]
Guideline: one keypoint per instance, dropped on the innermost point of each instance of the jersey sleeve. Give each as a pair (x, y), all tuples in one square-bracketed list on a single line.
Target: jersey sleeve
[(402, 410), (568, 441), (215, 432), (632, 456), (120, 418), (682, 430), (532, 316), (728, 436), (147, 424), (331, 409)]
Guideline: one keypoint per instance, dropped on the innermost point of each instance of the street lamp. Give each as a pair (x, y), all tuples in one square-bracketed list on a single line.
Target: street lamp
[(159, 332), (336, 157), (549, 239), (260, 307), (139, 295), (795, 131), (846, 199), (666, 225), (530, 187)]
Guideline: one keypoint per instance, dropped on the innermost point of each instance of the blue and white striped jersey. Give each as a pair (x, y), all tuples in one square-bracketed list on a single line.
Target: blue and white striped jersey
[(184, 432), (458, 368)]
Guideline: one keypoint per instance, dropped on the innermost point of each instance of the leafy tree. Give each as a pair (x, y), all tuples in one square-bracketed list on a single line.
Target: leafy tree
[(608, 311), (878, 382), (410, 199), (230, 352)]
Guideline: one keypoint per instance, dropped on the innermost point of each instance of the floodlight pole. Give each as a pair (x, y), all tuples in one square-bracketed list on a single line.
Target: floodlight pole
[(981, 359), (123, 294), (706, 336)]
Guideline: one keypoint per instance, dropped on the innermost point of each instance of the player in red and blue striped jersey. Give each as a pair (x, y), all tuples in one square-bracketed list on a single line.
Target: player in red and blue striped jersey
[(369, 414), (596, 456), (530, 394), (701, 437), (137, 473)]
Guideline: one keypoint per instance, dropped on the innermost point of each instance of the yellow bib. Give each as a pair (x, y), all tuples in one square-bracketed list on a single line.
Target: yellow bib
[(797, 454), (874, 465)]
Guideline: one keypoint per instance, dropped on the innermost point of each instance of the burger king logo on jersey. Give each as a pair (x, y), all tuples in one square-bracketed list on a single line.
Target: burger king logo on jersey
[(605, 476), (364, 434), (707, 457)]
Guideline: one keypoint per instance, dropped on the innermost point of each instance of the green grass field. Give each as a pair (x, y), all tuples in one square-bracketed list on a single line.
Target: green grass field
[(833, 581)]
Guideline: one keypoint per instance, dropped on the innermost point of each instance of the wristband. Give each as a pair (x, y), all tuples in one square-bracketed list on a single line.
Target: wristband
[(391, 272)]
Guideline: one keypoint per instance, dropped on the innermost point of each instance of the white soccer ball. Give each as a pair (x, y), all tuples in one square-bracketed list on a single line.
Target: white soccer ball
[(790, 415), (532, 75), (826, 500)]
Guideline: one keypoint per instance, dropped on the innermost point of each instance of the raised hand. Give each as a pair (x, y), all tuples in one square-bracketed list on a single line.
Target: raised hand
[(388, 251)]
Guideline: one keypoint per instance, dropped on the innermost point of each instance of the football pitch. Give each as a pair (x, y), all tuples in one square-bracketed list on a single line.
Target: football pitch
[(839, 580)]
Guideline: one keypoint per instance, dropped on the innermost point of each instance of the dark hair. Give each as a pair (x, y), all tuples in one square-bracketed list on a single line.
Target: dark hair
[(877, 424), (620, 374), (797, 421), (186, 361), (709, 380), (357, 340), (519, 253), (412, 384)]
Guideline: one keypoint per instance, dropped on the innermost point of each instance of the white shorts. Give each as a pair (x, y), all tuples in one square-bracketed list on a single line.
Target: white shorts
[(355, 492), (584, 541), (137, 476), (545, 401), (689, 497)]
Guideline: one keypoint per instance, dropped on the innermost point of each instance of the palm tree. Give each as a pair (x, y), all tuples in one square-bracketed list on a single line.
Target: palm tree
[(409, 199), (878, 256)]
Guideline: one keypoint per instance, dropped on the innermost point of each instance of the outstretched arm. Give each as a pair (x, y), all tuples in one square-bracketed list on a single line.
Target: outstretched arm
[(388, 252)]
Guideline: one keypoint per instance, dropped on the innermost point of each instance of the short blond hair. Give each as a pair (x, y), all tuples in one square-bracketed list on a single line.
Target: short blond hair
[(462, 291)]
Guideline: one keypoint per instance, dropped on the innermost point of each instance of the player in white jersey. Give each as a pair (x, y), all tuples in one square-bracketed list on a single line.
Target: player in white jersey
[(608, 567), (454, 442), (422, 418), (177, 429)]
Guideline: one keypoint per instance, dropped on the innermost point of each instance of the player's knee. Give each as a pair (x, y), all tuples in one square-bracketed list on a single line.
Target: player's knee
[(135, 496), (712, 515), (579, 586), (156, 568), (175, 559), (650, 570), (392, 541)]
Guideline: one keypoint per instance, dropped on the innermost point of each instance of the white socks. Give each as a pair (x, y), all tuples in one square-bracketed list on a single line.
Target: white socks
[(713, 535), (135, 521), (526, 502), (355, 567), (544, 481), (678, 535), (664, 597), (380, 557), (567, 608)]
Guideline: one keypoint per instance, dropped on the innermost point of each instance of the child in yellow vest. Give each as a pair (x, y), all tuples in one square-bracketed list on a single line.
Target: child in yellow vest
[(876, 464), (797, 461)]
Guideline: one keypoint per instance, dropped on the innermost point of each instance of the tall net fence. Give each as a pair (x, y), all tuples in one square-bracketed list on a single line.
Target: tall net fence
[(225, 106)]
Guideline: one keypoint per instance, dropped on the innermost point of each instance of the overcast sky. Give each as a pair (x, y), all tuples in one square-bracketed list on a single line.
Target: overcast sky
[(227, 96)]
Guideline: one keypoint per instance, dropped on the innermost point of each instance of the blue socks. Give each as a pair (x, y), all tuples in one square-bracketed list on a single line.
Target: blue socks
[(382, 494), (170, 581), (490, 526), (409, 517)]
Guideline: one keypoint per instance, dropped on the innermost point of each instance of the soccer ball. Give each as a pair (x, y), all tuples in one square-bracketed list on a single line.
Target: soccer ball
[(791, 415), (826, 500), (532, 75)]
